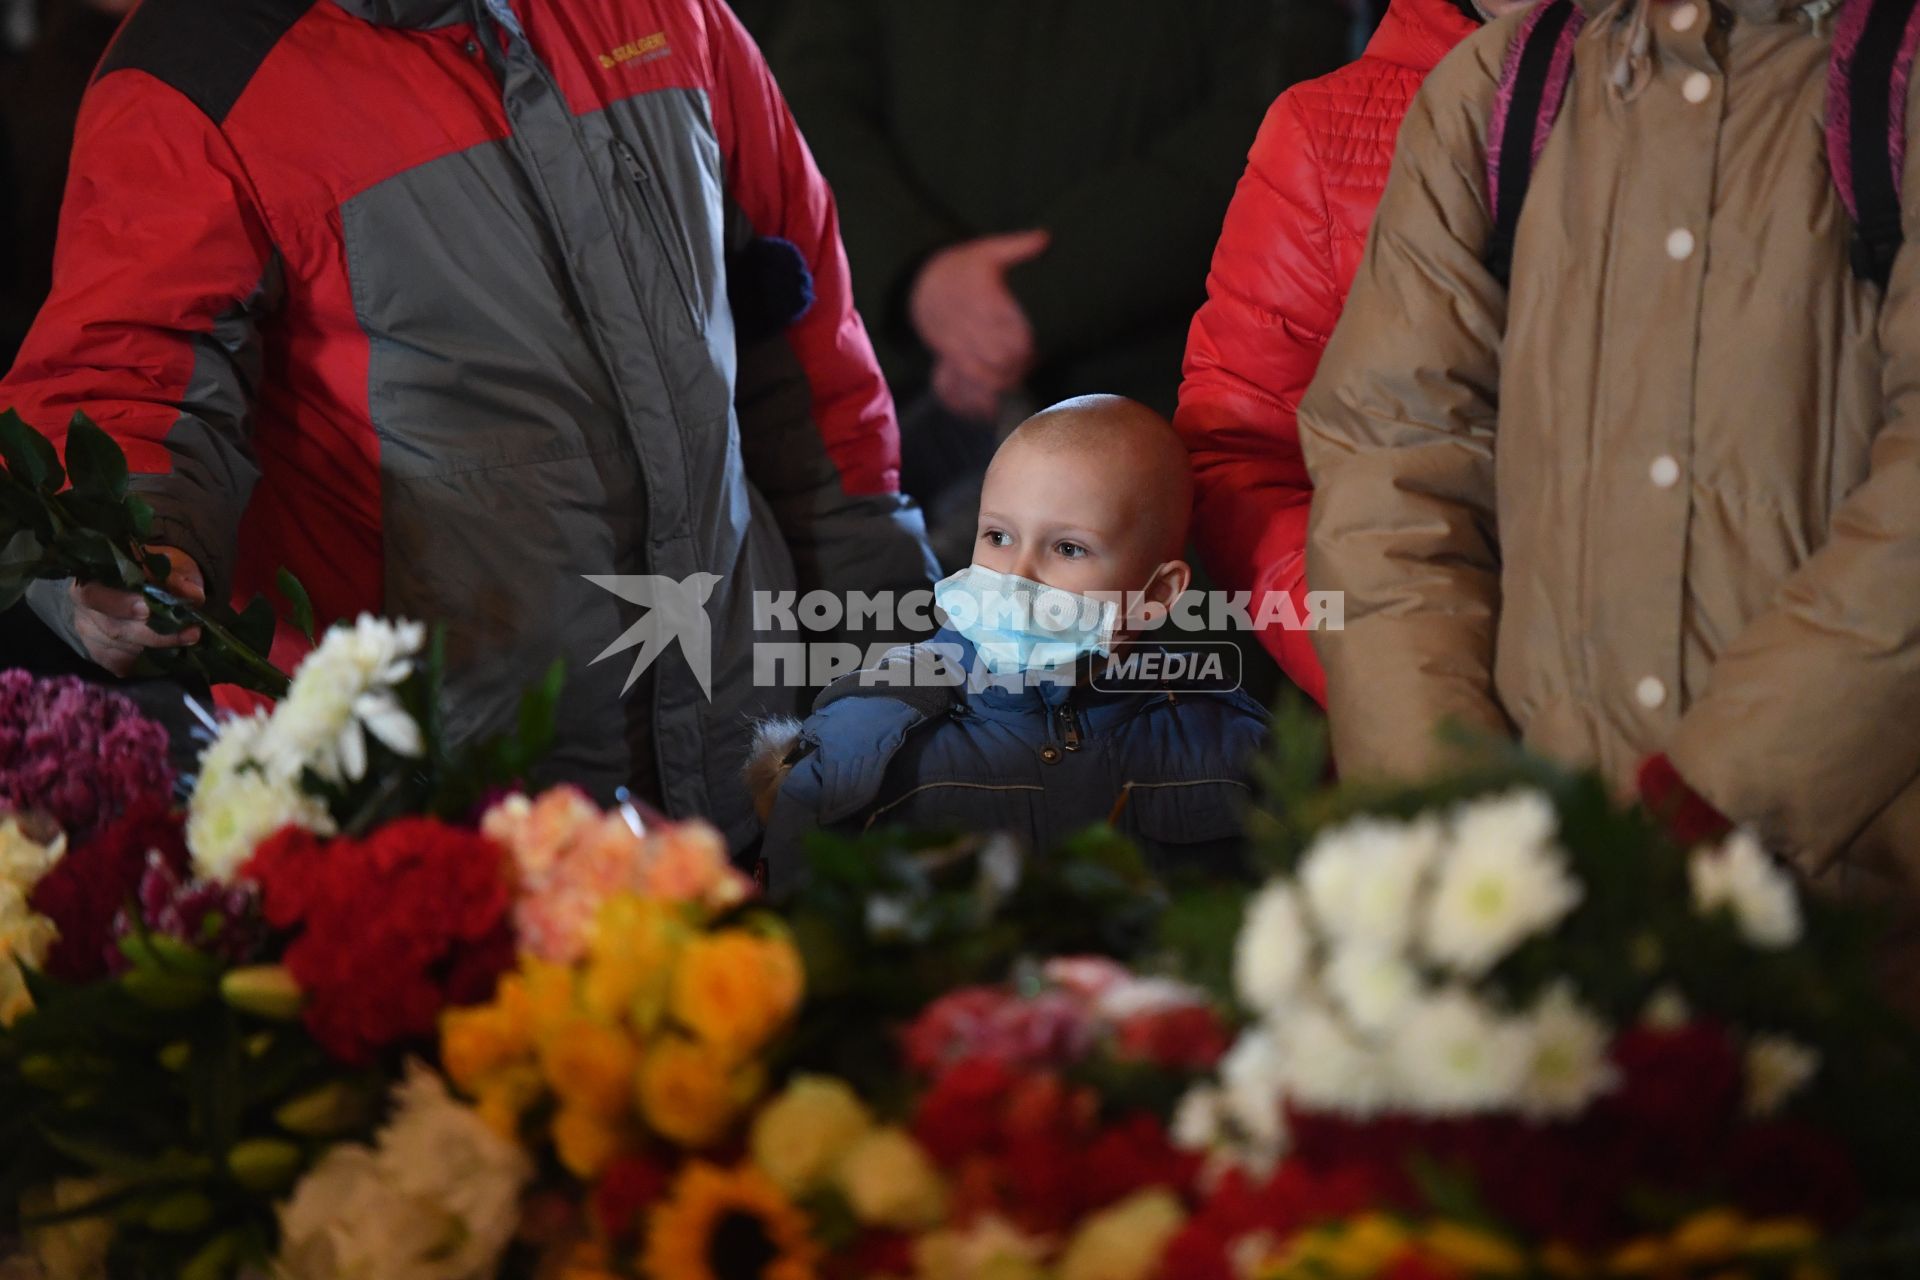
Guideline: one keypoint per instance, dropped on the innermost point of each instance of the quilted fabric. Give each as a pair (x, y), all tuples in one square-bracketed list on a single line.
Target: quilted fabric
[(1288, 253)]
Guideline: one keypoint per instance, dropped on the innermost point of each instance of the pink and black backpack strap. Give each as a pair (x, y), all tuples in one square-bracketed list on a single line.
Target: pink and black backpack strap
[(1533, 87), (1872, 62)]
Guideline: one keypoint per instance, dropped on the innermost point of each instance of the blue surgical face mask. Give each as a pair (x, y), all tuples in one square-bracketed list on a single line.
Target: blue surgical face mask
[(1017, 624)]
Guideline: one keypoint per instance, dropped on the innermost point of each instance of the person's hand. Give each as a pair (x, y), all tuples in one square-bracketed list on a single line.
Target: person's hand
[(965, 314), (112, 624), (965, 396)]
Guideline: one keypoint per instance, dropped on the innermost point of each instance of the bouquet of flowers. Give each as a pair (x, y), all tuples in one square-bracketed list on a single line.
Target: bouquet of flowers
[(1521, 1019)]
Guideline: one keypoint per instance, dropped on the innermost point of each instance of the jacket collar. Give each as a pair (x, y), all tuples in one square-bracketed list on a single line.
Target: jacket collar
[(1418, 33), (413, 14)]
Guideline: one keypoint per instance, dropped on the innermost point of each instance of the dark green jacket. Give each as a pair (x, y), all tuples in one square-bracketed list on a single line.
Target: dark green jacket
[(1120, 126)]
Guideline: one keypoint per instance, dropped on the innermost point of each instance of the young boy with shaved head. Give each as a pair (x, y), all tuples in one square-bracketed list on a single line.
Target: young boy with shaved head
[(1012, 718)]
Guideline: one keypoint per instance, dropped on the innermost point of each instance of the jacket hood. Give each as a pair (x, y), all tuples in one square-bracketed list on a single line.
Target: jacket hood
[(1418, 33), (410, 13)]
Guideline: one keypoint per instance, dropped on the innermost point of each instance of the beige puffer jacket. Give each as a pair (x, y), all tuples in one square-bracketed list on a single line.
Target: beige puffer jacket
[(1665, 494)]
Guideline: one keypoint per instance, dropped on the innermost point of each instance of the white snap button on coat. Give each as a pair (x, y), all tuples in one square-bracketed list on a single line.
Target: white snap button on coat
[(1665, 471), (1679, 244), (1650, 692), (1684, 16), (1697, 88)]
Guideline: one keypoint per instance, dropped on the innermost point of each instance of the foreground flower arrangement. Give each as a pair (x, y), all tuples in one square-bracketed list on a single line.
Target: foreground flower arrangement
[(365, 1005)]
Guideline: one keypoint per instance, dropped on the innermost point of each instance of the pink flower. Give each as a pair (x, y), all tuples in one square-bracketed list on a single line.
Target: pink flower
[(1053, 1028), (569, 857), (80, 754)]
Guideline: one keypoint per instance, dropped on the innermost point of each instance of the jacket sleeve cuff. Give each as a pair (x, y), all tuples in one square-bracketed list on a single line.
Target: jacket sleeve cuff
[(1686, 814), (181, 522)]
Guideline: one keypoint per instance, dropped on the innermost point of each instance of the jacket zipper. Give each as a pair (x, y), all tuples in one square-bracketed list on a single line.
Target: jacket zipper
[(1069, 728), (642, 183)]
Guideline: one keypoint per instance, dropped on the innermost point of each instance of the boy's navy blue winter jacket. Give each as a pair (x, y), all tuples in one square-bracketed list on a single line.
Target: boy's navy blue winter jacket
[(1041, 762)]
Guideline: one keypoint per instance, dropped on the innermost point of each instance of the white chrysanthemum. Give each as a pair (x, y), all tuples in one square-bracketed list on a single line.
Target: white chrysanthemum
[(226, 822), (1271, 953), (345, 690), (1372, 987), (1199, 1120), (1667, 1009), (1503, 881), (1362, 879), (1569, 1067), (1777, 1068), (1251, 1078), (1327, 1069), (1451, 1055), (1742, 879)]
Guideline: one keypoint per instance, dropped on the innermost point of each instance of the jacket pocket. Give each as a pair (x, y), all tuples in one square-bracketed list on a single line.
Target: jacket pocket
[(1188, 825), (661, 227)]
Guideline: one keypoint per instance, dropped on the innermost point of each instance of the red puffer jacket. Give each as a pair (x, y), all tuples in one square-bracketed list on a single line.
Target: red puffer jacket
[(1286, 258)]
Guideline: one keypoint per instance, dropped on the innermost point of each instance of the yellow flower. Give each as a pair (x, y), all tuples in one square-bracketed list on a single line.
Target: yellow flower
[(1563, 1262), (590, 1066), (1478, 1253), (890, 1182), (503, 1097), (716, 1224), (631, 960), (587, 1142), (1642, 1257), (544, 996), (1360, 1247), (479, 1042), (735, 990), (1711, 1236), (1124, 1242), (799, 1136), (691, 1096), (583, 1260), (1779, 1235)]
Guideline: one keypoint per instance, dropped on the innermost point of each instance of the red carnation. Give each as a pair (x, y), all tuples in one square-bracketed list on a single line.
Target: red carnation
[(1680, 1092), (628, 1187), (87, 887), (1183, 1038), (960, 1114), (391, 929)]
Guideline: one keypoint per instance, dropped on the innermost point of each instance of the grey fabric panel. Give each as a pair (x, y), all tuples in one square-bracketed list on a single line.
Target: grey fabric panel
[(506, 470), (552, 386), (197, 506)]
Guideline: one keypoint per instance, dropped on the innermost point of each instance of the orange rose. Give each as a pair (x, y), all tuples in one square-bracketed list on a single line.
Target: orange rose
[(735, 990), (689, 1095)]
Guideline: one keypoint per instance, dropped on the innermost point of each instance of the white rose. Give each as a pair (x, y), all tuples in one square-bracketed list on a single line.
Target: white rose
[(1502, 882)]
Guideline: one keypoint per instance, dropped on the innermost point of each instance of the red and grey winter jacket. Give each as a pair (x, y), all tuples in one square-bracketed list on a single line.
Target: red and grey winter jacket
[(437, 317), (1287, 255)]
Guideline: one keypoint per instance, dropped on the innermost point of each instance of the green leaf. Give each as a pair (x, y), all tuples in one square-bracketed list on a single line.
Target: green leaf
[(300, 607), (95, 463), (29, 455)]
